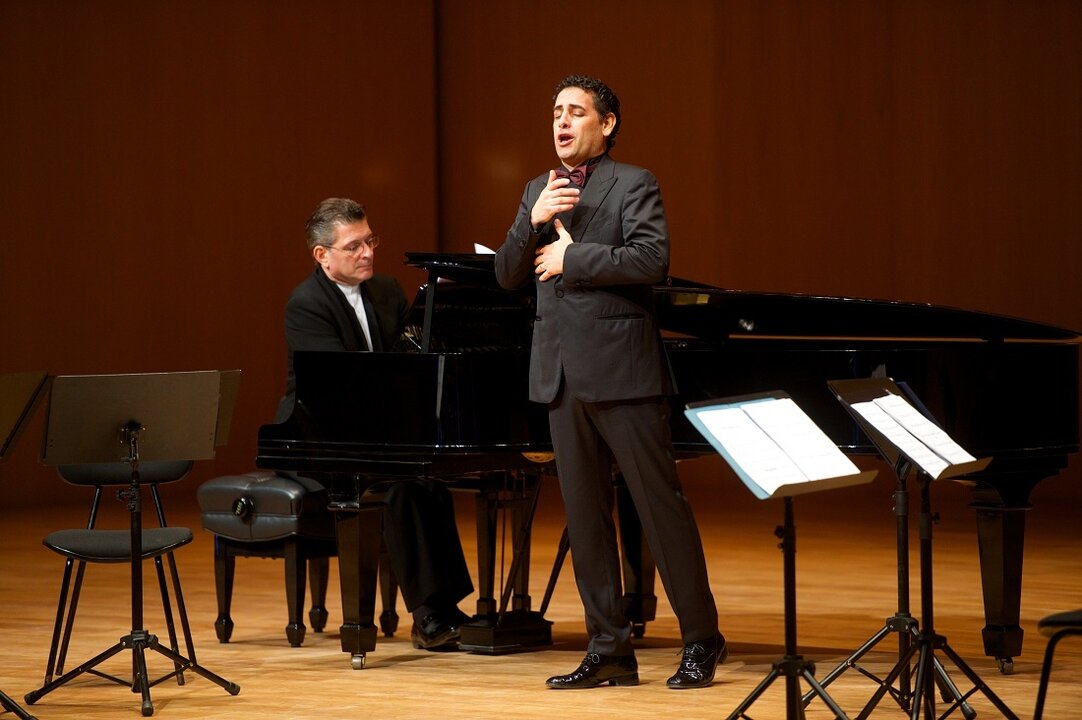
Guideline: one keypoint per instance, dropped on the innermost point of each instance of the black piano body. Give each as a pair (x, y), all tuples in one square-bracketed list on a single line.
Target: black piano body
[(1003, 387), (459, 413)]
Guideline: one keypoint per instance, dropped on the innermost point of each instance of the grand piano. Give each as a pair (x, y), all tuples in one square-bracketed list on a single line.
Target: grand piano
[(456, 408)]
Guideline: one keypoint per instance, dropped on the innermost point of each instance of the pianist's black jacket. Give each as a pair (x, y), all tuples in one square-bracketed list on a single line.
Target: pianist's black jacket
[(318, 317)]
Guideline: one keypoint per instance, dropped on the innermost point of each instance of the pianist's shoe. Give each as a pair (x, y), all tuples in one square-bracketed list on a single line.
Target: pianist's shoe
[(598, 670), (438, 630), (699, 662)]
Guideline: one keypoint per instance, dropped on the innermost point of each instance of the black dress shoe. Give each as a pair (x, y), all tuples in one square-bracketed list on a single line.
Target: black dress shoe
[(435, 632), (699, 662), (599, 670)]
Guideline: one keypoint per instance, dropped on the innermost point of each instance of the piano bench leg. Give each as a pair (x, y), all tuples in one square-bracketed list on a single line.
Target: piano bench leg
[(388, 586), (318, 570), (295, 571), (224, 570)]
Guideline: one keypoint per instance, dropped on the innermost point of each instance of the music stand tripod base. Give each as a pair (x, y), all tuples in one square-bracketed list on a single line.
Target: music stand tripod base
[(9, 705), (902, 622), (792, 667), (928, 642)]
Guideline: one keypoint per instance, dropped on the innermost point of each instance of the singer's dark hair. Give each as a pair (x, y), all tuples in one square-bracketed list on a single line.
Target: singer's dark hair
[(331, 212), (605, 100)]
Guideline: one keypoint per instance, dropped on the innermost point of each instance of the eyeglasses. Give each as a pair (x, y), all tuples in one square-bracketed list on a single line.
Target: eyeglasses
[(353, 249)]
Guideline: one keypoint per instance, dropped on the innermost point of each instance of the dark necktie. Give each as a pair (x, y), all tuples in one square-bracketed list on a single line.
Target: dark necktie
[(576, 175)]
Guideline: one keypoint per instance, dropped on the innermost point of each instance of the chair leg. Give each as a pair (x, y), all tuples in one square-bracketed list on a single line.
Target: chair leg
[(167, 609), (295, 577), (224, 569), (58, 626), (318, 570), (73, 604), (1046, 668), (182, 610)]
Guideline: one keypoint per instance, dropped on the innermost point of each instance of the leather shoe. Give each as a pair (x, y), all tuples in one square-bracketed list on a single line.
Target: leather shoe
[(434, 632), (599, 670), (699, 662)]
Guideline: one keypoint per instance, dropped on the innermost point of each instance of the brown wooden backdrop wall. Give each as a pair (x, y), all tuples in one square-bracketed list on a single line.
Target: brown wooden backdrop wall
[(159, 159)]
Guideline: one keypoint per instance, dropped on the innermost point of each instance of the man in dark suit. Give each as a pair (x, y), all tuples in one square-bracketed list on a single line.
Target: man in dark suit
[(593, 237), (345, 306)]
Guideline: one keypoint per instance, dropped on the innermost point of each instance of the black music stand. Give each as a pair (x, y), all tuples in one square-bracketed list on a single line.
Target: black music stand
[(907, 438), (19, 395), (901, 622), (131, 418), (778, 452)]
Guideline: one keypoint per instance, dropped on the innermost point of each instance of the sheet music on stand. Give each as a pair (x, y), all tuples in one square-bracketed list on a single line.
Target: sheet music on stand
[(778, 451), (773, 446), (895, 426)]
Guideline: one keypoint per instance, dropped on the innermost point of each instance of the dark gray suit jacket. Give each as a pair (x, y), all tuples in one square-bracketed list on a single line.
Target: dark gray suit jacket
[(595, 324)]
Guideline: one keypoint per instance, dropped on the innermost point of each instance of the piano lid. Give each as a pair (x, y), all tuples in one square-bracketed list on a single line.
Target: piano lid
[(716, 314), (702, 311)]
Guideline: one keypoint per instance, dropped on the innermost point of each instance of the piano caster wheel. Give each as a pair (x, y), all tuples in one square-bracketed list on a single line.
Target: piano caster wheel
[(357, 662), (638, 630), (1006, 665)]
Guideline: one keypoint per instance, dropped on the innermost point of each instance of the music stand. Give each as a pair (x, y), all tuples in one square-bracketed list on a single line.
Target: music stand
[(901, 622), (908, 439), (778, 451), (19, 395), (132, 418)]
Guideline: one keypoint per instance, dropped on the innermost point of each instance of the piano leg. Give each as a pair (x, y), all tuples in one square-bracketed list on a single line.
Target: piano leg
[(359, 538), (505, 624), (487, 510), (1001, 503)]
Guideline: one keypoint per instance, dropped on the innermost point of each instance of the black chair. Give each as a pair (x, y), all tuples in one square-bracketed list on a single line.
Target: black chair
[(1056, 627), (92, 544)]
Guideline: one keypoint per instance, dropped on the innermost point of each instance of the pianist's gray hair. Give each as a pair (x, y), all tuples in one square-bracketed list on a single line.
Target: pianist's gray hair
[(331, 212)]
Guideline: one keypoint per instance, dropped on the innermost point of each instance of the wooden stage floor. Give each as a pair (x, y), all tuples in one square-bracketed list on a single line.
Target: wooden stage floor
[(846, 578)]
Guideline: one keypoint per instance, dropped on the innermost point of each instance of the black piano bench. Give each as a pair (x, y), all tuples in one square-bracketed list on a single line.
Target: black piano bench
[(262, 514)]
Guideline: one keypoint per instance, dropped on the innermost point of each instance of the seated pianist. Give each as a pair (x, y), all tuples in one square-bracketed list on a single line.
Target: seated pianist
[(345, 306)]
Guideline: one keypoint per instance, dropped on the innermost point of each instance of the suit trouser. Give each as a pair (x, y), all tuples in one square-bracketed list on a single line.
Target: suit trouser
[(586, 438), (423, 545)]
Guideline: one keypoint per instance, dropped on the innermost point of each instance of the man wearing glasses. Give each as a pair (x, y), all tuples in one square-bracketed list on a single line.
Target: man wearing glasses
[(345, 306)]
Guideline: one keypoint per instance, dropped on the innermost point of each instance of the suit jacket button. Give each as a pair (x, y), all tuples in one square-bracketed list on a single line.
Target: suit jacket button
[(559, 292)]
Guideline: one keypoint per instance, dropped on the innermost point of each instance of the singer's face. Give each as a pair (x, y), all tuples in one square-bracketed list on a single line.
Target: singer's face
[(349, 260), (577, 130)]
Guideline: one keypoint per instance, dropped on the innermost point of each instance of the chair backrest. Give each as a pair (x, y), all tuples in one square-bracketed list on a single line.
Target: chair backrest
[(119, 473), (100, 475)]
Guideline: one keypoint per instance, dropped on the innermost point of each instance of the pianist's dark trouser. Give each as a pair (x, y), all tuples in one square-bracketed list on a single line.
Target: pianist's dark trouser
[(638, 435), (423, 546)]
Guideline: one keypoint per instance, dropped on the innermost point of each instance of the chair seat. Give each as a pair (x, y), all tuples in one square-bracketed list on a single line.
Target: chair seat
[(114, 546), (1052, 624)]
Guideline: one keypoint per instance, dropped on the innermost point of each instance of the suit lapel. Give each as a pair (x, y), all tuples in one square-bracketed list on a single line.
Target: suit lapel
[(595, 192), (346, 318)]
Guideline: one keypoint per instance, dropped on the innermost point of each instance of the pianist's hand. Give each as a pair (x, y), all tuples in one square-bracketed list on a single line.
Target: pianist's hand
[(554, 199), (550, 259)]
